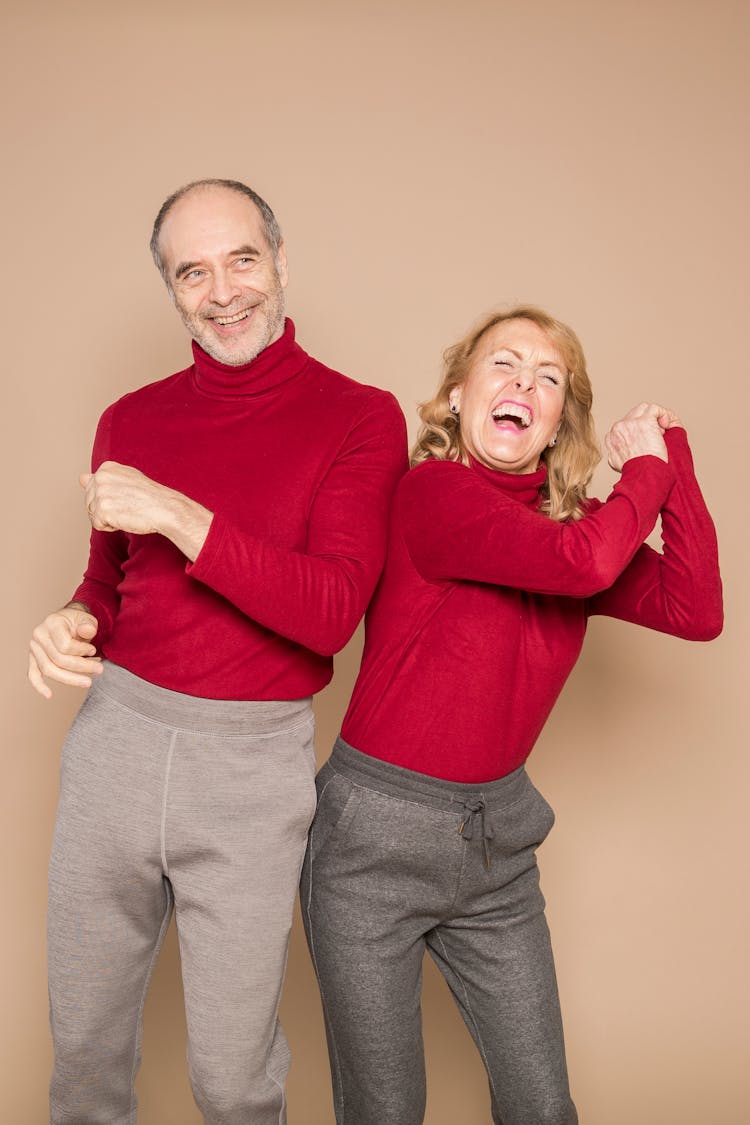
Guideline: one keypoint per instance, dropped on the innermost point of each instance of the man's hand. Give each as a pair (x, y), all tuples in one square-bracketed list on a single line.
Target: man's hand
[(121, 498), (61, 650), (639, 433)]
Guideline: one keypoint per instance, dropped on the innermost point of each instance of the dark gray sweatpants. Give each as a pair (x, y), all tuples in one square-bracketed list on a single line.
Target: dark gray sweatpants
[(396, 864), (170, 800)]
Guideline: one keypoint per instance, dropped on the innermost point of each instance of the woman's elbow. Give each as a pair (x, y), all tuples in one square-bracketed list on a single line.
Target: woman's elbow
[(594, 578), (703, 624), (709, 628)]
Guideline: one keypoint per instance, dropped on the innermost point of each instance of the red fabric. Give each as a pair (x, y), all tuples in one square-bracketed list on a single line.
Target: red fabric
[(482, 609), (298, 464)]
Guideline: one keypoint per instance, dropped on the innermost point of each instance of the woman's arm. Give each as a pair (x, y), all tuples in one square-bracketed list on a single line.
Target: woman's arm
[(679, 590), (459, 527)]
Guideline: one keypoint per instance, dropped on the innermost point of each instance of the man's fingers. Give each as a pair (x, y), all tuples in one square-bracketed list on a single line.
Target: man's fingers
[(35, 678), (58, 638), (62, 672), (79, 656), (59, 650)]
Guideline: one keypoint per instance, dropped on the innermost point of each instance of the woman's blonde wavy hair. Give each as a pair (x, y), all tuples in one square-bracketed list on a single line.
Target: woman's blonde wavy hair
[(570, 462)]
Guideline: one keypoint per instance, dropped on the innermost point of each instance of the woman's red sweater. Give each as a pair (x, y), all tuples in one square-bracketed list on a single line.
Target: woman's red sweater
[(482, 608)]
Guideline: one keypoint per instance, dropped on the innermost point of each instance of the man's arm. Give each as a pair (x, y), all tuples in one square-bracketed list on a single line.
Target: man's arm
[(317, 595), (65, 645), (314, 596), (121, 498)]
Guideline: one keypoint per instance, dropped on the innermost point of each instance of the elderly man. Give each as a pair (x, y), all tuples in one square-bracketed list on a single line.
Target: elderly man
[(239, 511)]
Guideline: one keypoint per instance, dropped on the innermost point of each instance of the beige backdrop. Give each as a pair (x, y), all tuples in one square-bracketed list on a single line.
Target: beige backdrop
[(428, 161)]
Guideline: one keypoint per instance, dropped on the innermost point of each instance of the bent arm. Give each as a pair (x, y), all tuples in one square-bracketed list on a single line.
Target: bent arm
[(316, 597), (107, 553), (677, 591), (457, 526)]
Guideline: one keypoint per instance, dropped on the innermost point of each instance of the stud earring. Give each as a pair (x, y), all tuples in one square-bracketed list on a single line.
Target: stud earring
[(454, 408), (553, 443)]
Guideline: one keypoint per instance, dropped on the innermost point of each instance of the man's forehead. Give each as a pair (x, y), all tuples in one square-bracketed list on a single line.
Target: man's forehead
[(213, 202), (211, 215)]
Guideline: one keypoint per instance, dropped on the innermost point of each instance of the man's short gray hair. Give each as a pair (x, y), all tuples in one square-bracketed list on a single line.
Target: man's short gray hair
[(270, 223)]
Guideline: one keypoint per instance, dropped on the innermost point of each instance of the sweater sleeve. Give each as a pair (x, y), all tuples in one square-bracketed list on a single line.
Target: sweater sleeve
[(457, 526), (316, 597), (107, 552), (679, 590)]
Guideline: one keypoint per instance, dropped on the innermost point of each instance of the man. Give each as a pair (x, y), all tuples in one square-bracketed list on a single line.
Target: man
[(239, 511)]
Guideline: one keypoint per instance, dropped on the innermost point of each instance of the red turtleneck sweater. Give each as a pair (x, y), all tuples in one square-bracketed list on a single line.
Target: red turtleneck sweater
[(482, 608), (298, 464)]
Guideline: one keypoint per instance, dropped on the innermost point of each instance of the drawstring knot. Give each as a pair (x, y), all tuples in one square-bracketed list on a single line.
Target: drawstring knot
[(475, 818)]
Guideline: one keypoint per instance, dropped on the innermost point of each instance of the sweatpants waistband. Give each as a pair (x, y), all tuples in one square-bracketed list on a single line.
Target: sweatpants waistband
[(191, 712), (396, 781)]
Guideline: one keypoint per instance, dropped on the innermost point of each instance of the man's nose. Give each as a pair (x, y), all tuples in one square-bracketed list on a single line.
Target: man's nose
[(223, 288)]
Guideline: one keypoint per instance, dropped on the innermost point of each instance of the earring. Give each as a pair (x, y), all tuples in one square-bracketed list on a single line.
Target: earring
[(454, 408), (553, 443)]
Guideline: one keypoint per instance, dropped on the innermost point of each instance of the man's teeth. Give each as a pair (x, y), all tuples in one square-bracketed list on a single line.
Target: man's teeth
[(232, 319), (512, 410)]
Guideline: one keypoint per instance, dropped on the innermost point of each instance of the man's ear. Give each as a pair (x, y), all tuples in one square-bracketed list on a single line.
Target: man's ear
[(281, 265)]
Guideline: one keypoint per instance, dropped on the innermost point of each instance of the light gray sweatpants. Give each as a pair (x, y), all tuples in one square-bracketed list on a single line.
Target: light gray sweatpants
[(203, 805), (399, 863)]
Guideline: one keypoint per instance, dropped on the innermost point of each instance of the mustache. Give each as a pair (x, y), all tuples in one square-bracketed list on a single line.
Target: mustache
[(227, 310)]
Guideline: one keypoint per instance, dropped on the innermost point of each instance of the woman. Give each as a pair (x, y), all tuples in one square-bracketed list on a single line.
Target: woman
[(427, 823)]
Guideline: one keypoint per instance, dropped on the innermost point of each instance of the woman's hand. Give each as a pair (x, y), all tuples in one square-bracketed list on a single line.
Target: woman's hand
[(640, 433), (667, 419)]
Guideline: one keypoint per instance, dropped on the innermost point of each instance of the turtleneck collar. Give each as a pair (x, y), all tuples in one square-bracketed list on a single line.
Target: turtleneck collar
[(280, 361), (524, 487)]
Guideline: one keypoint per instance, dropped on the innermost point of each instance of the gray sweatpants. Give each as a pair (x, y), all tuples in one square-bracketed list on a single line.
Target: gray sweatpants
[(398, 863), (202, 805)]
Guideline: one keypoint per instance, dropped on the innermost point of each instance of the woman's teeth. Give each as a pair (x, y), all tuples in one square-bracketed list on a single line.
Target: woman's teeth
[(513, 412)]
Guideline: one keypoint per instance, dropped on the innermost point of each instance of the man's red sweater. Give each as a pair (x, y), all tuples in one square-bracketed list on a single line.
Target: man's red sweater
[(298, 464), (482, 609)]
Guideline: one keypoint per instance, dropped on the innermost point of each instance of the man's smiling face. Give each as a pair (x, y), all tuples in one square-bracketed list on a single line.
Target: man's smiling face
[(227, 285)]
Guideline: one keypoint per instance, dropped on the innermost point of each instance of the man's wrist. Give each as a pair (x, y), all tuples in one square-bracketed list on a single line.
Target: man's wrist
[(185, 522), (77, 605)]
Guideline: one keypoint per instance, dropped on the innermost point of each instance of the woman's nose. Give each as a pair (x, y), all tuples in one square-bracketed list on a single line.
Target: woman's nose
[(525, 380)]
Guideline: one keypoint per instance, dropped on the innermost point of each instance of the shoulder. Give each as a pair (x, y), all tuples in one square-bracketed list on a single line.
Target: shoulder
[(352, 415), (590, 505), (434, 478), (146, 396), (359, 398)]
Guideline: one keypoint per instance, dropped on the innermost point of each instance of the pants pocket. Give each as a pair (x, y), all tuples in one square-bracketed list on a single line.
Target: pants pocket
[(338, 801)]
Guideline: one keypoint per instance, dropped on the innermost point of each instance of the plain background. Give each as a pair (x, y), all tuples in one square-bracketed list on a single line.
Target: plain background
[(428, 162)]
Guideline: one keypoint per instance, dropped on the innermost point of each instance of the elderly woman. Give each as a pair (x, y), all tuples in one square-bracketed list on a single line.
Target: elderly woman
[(427, 822)]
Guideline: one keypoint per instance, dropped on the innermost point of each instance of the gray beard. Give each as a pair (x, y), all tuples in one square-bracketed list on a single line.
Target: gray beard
[(215, 350)]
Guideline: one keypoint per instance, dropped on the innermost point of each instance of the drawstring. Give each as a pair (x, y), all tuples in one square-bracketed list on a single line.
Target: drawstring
[(475, 816)]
